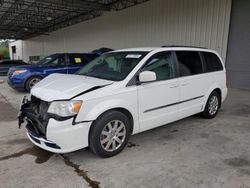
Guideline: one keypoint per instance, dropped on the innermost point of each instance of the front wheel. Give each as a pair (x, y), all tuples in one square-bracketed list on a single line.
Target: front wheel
[(109, 134), (212, 105)]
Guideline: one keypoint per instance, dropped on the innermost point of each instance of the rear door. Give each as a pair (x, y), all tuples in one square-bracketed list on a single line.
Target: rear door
[(76, 61), (193, 82), (158, 100)]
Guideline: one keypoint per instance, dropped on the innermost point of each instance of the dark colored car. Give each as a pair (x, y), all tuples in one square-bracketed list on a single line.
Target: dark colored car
[(103, 50), (25, 77), (6, 64)]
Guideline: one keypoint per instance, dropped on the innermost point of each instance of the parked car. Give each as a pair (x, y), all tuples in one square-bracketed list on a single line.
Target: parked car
[(25, 77), (6, 64), (122, 93), (103, 50)]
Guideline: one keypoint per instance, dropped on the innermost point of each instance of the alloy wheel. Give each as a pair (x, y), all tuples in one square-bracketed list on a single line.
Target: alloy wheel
[(213, 105), (33, 82), (113, 135)]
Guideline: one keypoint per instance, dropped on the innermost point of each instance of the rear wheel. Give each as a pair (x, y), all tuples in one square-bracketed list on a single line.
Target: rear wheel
[(109, 134), (31, 82), (212, 105)]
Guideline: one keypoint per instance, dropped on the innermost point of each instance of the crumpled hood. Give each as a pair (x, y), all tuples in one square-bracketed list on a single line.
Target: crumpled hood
[(64, 86)]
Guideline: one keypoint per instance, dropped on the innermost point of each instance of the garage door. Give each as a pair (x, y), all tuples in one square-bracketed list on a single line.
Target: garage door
[(238, 55)]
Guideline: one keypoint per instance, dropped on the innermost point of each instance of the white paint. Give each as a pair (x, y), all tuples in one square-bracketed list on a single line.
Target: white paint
[(53, 87), (19, 49), (154, 23), (142, 101)]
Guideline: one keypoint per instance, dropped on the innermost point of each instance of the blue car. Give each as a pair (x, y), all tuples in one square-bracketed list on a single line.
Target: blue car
[(25, 77)]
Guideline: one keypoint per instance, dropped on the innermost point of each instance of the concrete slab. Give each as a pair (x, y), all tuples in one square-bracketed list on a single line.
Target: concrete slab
[(193, 152)]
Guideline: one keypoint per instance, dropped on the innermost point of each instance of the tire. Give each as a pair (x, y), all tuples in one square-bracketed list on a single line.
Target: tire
[(212, 106), (103, 139), (31, 82)]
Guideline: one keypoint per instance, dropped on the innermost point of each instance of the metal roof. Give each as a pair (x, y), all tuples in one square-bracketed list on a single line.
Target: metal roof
[(23, 19)]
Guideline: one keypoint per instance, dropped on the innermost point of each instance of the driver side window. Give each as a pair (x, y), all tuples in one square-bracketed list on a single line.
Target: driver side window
[(162, 64), (59, 61)]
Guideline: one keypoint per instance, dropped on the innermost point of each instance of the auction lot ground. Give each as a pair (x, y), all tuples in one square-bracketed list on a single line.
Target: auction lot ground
[(190, 153)]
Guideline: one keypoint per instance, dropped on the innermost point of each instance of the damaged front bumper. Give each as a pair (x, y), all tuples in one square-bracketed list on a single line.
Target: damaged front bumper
[(33, 113), (58, 136)]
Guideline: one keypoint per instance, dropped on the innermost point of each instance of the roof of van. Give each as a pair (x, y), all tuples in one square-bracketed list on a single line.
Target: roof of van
[(174, 47)]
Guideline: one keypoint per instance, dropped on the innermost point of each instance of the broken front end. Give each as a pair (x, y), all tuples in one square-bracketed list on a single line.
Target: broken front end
[(50, 131), (33, 113)]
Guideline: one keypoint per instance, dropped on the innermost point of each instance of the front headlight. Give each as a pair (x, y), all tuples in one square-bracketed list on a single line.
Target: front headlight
[(65, 108), (17, 72)]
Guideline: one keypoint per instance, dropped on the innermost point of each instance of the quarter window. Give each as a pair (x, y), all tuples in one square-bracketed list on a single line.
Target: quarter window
[(212, 61), (162, 64), (189, 63)]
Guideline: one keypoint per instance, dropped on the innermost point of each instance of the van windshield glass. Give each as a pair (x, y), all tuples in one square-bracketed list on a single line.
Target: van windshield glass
[(113, 66)]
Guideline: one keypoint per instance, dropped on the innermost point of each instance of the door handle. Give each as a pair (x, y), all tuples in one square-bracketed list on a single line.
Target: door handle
[(174, 86)]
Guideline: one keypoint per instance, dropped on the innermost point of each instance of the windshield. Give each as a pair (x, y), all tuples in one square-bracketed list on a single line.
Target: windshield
[(51, 60), (113, 66)]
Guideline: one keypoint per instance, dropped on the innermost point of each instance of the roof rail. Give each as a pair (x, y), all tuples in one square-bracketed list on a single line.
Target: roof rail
[(164, 46)]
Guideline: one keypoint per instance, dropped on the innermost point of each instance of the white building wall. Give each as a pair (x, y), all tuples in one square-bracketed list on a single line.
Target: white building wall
[(19, 49), (202, 23)]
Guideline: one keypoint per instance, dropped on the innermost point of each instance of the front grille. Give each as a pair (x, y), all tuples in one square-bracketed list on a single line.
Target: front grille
[(37, 116), (52, 145)]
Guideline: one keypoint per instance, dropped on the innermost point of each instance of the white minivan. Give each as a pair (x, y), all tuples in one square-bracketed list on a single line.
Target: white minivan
[(121, 93)]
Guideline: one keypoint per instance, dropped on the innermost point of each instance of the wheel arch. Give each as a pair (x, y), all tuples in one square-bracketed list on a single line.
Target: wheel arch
[(33, 75), (212, 89), (218, 90), (122, 110)]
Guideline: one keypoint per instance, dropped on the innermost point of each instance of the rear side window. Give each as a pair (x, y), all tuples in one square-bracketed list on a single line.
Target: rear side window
[(189, 63), (77, 59), (212, 62)]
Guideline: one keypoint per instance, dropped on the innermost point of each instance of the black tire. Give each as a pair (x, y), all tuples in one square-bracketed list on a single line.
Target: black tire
[(208, 113), (100, 126), (28, 82)]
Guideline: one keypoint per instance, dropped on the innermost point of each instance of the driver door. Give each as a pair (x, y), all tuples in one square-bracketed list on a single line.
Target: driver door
[(158, 99), (57, 65)]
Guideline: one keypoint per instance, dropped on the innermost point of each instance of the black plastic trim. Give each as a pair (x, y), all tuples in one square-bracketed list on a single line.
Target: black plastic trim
[(89, 90), (179, 46), (34, 139), (52, 145), (172, 104)]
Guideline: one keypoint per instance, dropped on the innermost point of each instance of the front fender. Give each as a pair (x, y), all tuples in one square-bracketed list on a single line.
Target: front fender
[(91, 110), (34, 74)]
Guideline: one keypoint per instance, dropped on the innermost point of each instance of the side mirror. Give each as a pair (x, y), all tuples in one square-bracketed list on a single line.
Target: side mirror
[(147, 76)]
